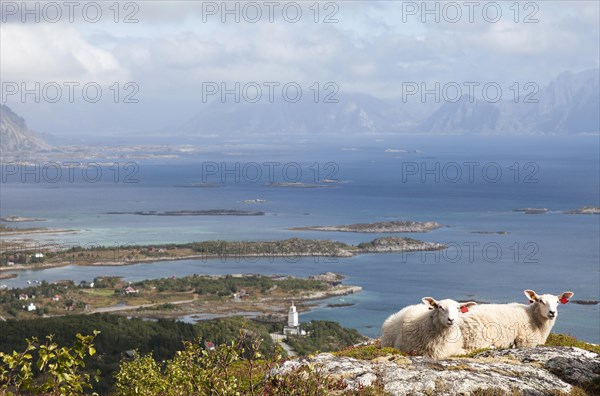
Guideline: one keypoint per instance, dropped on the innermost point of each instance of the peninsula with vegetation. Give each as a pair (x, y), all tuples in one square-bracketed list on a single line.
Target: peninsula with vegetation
[(207, 295), (20, 219), (8, 231), (38, 257), (376, 228)]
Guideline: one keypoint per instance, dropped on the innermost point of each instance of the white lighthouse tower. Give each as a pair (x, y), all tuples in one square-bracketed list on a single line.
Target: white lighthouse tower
[(293, 324), (293, 316)]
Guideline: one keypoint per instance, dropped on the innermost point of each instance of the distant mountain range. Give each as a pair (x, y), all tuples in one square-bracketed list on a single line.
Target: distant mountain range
[(354, 113), (570, 104), (15, 137)]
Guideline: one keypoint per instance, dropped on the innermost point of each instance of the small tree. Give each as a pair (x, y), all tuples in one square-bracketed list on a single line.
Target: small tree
[(59, 368)]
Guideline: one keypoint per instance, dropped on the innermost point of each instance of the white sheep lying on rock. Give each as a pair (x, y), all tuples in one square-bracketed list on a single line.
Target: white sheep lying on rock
[(429, 329), (512, 325)]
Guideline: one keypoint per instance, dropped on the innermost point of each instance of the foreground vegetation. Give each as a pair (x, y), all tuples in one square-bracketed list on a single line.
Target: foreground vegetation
[(324, 336), (236, 367), (121, 340)]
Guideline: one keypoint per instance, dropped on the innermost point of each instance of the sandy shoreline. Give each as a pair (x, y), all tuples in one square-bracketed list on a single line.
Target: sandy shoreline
[(36, 231)]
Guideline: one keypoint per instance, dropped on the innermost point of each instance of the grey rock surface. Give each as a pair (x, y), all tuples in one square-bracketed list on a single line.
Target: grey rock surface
[(527, 371)]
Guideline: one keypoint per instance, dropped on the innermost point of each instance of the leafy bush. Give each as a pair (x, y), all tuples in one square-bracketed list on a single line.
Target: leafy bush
[(224, 371), (59, 368)]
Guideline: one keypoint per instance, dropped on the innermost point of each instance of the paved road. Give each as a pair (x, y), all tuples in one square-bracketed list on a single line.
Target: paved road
[(290, 351), (129, 307), (278, 338)]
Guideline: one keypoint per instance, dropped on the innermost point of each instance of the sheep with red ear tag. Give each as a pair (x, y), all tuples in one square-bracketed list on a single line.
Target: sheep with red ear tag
[(513, 325), (429, 329)]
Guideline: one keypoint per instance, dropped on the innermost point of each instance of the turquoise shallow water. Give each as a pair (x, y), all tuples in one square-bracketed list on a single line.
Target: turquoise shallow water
[(550, 253)]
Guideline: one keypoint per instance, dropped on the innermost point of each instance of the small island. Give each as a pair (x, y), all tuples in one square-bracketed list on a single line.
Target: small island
[(19, 219), (586, 210), (381, 227), (210, 212), (394, 244), (297, 185), (7, 231), (532, 210), (201, 185), (491, 232), (254, 201)]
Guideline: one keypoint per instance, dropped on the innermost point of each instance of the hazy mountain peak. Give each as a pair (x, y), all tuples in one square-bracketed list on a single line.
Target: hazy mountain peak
[(15, 136)]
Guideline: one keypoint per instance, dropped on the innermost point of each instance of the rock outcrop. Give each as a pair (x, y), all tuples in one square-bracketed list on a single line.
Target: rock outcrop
[(526, 371)]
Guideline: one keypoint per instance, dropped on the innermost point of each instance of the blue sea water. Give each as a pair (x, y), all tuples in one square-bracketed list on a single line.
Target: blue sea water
[(379, 180)]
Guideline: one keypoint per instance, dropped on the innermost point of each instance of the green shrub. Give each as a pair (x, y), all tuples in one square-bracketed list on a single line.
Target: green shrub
[(59, 368)]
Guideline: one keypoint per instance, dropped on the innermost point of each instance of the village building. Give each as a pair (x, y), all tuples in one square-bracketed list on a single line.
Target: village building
[(209, 346), (130, 290)]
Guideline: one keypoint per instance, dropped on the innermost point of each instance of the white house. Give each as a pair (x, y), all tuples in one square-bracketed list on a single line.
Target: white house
[(131, 290), (38, 255), (31, 307)]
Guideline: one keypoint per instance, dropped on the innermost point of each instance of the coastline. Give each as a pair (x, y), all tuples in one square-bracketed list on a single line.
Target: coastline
[(26, 231), (266, 306), (149, 260)]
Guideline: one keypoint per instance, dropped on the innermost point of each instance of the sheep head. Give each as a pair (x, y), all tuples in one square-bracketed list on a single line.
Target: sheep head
[(546, 305), (447, 312)]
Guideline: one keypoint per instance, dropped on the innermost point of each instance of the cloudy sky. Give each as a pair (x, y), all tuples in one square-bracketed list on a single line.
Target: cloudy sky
[(168, 50)]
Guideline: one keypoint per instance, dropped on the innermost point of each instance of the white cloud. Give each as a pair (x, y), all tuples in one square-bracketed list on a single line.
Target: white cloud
[(170, 52), (57, 53)]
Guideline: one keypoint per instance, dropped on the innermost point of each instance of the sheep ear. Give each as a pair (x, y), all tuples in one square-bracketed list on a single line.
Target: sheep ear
[(530, 294), (430, 302), (565, 297), (464, 307)]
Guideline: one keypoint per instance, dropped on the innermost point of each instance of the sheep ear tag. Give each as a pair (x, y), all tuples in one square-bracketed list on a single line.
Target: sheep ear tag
[(564, 300), (464, 309)]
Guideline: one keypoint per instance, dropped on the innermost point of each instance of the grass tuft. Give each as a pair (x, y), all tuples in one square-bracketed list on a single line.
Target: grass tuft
[(568, 340), (367, 352)]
